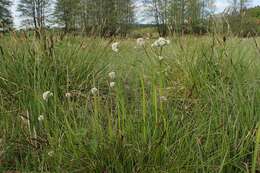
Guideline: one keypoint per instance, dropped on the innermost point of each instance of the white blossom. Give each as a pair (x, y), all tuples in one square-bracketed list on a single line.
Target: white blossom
[(94, 90), (50, 153), (112, 84), (112, 75), (40, 118), (140, 42), (163, 98), (161, 58), (68, 95), (115, 47), (161, 42), (46, 95)]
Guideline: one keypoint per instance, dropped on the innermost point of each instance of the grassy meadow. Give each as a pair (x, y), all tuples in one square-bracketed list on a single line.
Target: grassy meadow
[(192, 106)]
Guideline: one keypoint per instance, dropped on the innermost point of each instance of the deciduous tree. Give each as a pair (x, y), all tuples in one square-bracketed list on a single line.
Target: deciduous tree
[(6, 19)]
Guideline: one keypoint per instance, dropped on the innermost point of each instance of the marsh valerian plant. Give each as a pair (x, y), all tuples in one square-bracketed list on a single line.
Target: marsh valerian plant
[(46, 95), (94, 91), (115, 46), (140, 42), (40, 118), (112, 75), (112, 84)]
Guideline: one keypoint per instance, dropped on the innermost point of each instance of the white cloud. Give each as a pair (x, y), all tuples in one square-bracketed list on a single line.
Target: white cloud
[(140, 13), (221, 5)]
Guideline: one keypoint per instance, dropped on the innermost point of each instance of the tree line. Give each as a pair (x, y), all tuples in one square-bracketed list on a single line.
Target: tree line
[(116, 17), (180, 15), (105, 17), (5, 14), (102, 17)]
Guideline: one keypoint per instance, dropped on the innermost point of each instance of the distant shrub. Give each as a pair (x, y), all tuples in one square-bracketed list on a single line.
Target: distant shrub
[(199, 28), (246, 26), (246, 23)]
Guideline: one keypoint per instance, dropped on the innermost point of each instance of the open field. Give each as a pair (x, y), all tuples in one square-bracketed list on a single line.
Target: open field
[(192, 106)]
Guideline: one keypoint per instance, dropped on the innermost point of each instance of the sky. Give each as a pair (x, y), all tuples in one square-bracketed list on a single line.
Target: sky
[(220, 6)]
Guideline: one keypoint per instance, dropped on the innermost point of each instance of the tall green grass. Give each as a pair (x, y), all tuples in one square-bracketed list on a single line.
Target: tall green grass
[(196, 110)]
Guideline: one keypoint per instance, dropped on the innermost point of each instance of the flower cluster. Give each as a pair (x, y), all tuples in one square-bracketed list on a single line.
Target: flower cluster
[(68, 95), (112, 76), (46, 95), (161, 42), (112, 84), (163, 98), (140, 42), (40, 118), (161, 58), (115, 47), (94, 90)]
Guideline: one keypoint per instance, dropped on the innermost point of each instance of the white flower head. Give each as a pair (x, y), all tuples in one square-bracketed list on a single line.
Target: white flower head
[(163, 98), (50, 153), (112, 84), (68, 95), (161, 42), (46, 95), (112, 75), (161, 58), (115, 47), (140, 42), (40, 118), (94, 90)]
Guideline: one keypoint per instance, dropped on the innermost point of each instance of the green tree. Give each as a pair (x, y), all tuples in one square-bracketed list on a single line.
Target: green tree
[(66, 13), (6, 19), (34, 12), (238, 6), (101, 17), (180, 15)]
